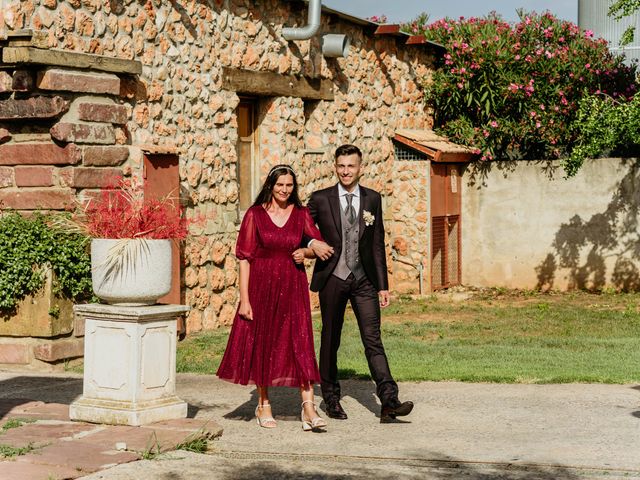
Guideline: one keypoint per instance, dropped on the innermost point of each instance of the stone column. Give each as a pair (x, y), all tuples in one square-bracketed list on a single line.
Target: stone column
[(130, 365)]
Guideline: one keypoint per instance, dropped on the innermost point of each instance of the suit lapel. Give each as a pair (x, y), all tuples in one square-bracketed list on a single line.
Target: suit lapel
[(363, 199), (334, 204)]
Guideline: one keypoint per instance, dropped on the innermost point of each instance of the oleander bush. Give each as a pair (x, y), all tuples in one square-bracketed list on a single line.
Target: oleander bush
[(513, 91), (28, 245)]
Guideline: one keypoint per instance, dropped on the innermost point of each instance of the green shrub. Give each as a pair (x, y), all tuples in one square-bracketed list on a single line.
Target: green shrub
[(605, 126), (27, 245), (512, 91)]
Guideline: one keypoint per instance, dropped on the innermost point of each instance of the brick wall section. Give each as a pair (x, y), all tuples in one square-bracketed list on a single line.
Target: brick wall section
[(90, 177), (39, 154), (81, 133), (16, 354), (34, 176), (5, 135), (37, 199), (100, 112), (37, 107), (75, 81), (53, 351), (6, 82), (6, 177), (104, 156), (22, 81)]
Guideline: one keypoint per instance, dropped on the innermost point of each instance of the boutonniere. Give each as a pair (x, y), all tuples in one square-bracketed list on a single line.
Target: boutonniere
[(368, 218)]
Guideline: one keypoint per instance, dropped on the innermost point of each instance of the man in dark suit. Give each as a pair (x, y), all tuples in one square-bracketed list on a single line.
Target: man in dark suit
[(349, 217)]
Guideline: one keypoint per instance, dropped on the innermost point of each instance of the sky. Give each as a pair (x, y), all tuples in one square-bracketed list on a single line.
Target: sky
[(405, 10)]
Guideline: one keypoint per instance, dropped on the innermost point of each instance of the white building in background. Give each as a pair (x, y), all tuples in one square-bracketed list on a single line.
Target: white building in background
[(593, 15)]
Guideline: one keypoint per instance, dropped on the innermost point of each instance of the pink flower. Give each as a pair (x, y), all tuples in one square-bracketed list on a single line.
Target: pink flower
[(493, 123)]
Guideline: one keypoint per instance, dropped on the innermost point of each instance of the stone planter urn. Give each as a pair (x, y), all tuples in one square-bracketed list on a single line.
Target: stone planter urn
[(130, 272)]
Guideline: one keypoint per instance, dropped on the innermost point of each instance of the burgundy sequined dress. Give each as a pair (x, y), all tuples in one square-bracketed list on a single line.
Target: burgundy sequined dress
[(276, 348)]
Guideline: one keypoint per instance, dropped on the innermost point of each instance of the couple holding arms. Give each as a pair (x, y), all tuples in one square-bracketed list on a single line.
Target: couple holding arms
[(271, 341)]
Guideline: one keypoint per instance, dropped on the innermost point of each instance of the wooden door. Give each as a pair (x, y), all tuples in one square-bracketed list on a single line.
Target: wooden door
[(245, 150), (446, 235), (162, 179)]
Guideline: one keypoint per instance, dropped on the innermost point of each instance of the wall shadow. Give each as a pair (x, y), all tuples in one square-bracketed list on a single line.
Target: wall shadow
[(19, 390), (426, 466), (477, 173), (583, 246)]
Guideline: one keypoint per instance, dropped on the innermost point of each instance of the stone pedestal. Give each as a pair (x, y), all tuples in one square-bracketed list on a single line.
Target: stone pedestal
[(130, 365)]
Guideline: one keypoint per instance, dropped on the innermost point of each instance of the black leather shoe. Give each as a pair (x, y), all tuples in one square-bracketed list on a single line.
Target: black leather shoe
[(334, 410), (395, 409)]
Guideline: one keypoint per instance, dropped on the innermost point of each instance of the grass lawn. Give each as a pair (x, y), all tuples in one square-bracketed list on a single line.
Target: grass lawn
[(494, 336)]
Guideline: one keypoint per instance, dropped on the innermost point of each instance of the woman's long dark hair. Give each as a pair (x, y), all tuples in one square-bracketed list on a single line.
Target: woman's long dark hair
[(266, 193)]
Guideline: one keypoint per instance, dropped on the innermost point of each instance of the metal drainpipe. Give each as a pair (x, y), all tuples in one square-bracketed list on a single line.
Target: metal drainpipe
[(312, 27)]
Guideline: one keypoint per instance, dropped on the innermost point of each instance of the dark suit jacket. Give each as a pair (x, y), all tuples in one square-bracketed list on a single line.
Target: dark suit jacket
[(324, 206)]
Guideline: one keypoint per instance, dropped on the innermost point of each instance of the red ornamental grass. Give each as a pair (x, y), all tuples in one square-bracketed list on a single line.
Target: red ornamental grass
[(123, 212)]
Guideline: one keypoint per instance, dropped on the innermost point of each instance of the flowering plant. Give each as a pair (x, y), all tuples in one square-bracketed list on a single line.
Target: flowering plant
[(121, 211), (368, 218), (512, 90)]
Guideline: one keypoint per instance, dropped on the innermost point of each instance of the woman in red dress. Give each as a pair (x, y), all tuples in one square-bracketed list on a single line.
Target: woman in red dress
[(271, 340)]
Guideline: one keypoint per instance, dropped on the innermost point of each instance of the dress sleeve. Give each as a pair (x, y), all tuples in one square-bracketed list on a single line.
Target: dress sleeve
[(247, 242), (310, 229)]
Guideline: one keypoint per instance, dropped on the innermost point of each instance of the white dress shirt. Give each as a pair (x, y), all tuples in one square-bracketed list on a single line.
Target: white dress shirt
[(355, 201)]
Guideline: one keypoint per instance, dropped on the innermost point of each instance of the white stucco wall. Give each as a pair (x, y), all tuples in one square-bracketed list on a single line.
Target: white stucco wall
[(526, 226)]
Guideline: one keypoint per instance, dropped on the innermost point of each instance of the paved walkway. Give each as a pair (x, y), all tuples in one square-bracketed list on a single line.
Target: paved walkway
[(457, 430)]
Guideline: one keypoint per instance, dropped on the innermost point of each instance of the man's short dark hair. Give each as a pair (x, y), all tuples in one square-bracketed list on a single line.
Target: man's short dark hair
[(347, 149)]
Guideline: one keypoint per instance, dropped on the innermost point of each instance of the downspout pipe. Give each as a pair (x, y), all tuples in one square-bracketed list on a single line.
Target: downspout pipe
[(312, 27)]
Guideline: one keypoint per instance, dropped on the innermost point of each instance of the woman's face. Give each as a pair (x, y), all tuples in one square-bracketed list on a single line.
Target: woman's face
[(283, 187)]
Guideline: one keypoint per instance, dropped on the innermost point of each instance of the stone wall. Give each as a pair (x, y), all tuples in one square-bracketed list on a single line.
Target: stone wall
[(409, 220), (526, 226), (179, 101)]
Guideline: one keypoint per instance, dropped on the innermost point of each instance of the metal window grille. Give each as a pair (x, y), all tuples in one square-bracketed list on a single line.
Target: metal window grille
[(445, 252), (406, 153)]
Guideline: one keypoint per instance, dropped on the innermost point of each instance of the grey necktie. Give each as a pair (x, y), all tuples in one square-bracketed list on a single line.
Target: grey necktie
[(350, 212)]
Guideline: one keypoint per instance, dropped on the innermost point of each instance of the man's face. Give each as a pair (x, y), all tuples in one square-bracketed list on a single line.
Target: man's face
[(348, 170)]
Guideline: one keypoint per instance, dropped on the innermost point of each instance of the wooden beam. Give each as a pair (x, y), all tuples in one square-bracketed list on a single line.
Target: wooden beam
[(26, 38), (159, 149), (437, 156), (416, 146), (416, 40), (458, 157), (272, 84), (387, 29), (59, 58)]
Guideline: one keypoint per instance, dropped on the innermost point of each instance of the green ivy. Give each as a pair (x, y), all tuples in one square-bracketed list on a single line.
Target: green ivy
[(27, 245), (604, 126)]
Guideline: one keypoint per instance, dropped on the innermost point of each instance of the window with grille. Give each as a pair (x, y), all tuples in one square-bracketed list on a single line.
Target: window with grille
[(405, 153)]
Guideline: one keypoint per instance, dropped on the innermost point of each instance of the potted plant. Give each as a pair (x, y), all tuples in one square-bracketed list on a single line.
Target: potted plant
[(131, 243)]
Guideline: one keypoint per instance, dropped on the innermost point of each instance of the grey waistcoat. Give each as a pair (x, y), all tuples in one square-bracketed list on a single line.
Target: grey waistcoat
[(349, 261)]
